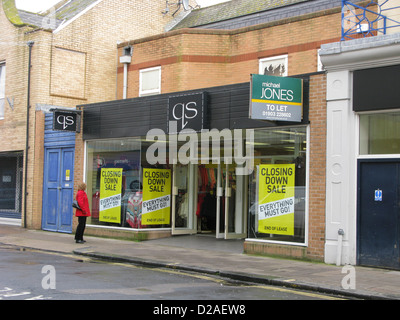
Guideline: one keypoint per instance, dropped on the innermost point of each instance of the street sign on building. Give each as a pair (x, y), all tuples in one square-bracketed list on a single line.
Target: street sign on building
[(186, 112), (66, 120), (276, 98)]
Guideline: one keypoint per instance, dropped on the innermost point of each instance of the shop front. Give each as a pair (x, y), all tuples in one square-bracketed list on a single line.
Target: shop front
[(376, 100), (196, 162), (363, 112)]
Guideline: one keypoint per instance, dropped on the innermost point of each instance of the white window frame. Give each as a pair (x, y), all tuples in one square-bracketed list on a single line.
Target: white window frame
[(262, 62), (153, 91), (3, 98)]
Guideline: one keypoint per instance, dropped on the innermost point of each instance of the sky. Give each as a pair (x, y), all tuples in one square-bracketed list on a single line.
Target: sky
[(42, 5)]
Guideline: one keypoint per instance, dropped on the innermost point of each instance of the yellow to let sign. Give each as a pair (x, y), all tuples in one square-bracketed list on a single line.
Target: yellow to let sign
[(276, 194), (156, 205), (110, 195)]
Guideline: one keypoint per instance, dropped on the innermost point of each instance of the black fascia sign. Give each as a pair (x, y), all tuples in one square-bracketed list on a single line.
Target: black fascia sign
[(66, 121), (186, 112)]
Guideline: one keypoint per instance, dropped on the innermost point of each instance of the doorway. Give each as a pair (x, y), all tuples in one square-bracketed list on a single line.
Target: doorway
[(378, 213), (58, 189), (209, 199)]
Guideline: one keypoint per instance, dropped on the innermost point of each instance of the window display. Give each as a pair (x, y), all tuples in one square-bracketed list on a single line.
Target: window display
[(125, 190), (277, 187), (118, 193)]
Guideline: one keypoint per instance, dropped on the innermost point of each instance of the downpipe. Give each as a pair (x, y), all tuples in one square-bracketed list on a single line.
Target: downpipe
[(28, 106), (339, 247), (125, 92)]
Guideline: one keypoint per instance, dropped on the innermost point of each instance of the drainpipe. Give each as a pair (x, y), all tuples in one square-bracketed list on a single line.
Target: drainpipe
[(126, 59), (125, 80), (339, 247), (28, 103)]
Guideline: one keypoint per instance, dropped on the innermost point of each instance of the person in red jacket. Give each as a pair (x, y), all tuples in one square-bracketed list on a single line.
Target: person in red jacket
[(83, 213)]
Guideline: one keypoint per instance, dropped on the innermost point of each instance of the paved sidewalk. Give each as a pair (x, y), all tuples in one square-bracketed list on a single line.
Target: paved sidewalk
[(227, 261)]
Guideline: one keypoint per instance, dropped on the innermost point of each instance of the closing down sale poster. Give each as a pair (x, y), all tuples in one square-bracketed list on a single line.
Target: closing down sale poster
[(276, 199), (156, 204), (110, 195)]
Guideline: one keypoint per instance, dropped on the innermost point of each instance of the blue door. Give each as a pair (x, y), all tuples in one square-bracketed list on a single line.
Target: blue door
[(58, 189), (379, 213)]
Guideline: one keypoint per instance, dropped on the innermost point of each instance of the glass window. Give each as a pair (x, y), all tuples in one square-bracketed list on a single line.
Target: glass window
[(2, 89), (380, 133), (150, 81), (275, 66), (112, 154), (116, 170), (277, 186)]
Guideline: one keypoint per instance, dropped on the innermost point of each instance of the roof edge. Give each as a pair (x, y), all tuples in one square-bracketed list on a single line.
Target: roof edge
[(235, 17), (231, 32), (83, 12), (11, 12)]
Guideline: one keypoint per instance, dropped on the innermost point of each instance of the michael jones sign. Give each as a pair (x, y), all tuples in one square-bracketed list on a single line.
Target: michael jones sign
[(276, 98)]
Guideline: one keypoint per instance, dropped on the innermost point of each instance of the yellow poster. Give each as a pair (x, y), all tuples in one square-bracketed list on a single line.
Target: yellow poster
[(276, 199), (156, 206), (110, 195)]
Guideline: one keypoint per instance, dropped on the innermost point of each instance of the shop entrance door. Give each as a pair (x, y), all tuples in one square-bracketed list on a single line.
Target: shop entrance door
[(183, 202), (231, 203), (209, 199)]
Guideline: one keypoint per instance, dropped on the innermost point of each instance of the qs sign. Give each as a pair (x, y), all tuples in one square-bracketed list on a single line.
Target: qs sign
[(66, 121), (186, 112)]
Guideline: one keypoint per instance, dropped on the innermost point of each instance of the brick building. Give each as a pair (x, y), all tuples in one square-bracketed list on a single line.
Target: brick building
[(72, 55), (213, 52), (363, 121)]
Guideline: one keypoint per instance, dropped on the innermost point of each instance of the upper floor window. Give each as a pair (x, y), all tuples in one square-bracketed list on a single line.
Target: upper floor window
[(2, 89), (150, 81), (274, 66)]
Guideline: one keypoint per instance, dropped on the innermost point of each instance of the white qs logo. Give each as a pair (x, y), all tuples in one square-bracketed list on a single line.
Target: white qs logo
[(184, 112), (65, 121)]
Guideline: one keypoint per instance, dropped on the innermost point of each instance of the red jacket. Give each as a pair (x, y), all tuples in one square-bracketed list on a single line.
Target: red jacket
[(83, 203)]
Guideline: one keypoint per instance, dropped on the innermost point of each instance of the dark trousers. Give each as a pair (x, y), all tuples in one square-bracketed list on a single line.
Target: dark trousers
[(81, 228)]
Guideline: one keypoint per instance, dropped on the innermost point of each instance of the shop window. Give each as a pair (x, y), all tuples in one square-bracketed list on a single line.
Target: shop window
[(277, 186), (117, 189), (380, 133), (275, 66), (10, 183), (150, 81), (2, 89)]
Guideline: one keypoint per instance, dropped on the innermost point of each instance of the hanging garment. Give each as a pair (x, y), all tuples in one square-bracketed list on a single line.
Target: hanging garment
[(200, 201), (212, 178)]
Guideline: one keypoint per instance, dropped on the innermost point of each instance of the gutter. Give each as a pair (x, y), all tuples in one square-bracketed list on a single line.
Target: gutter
[(30, 45)]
